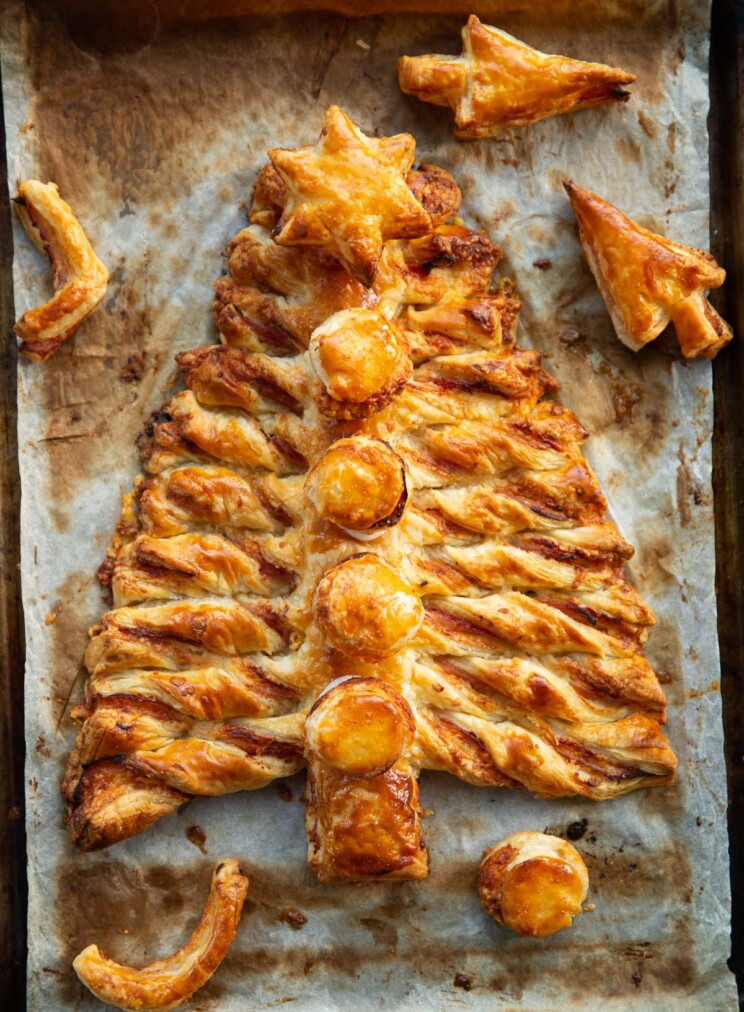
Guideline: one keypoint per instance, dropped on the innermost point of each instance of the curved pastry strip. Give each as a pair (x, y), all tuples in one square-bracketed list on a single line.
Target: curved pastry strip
[(499, 82), (169, 982), (647, 280), (79, 276)]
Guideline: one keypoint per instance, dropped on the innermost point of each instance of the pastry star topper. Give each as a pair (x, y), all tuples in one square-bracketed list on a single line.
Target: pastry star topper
[(348, 194)]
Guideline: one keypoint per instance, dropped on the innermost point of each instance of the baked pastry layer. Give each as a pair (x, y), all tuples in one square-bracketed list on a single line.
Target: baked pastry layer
[(263, 580)]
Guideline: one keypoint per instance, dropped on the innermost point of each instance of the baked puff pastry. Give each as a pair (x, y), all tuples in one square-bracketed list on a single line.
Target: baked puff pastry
[(170, 982), (647, 280), (366, 542), (533, 883), (348, 194), (79, 277), (499, 82)]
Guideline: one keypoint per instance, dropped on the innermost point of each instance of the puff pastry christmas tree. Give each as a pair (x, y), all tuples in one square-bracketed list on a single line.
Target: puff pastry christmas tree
[(648, 281), (366, 542), (499, 82)]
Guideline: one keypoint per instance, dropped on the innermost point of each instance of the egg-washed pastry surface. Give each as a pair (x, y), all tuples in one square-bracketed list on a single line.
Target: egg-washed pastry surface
[(365, 542), (79, 277), (168, 983), (533, 883), (499, 82), (647, 280)]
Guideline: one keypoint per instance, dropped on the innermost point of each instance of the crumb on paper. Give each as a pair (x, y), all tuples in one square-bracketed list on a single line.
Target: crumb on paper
[(134, 368), (576, 830), (293, 917), (51, 618), (197, 836)]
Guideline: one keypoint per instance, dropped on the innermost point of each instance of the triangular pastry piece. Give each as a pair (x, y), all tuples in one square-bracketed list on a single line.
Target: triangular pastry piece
[(499, 82), (647, 280), (347, 194)]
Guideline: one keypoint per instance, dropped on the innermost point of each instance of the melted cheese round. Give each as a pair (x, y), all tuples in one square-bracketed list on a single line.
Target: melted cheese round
[(365, 609), (355, 354), (533, 883), (359, 484), (360, 726)]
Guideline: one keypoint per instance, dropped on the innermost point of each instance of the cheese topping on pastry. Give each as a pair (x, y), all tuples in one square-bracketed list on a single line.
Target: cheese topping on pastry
[(499, 82), (348, 194), (533, 883), (79, 277), (360, 726), (359, 484), (647, 280), (365, 609), (361, 361)]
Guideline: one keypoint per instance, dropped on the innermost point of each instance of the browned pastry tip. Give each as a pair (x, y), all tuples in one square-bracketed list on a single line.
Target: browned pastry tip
[(348, 194), (533, 883), (106, 802), (365, 609), (499, 82), (169, 982), (269, 198), (359, 484), (360, 726), (361, 361), (78, 275), (647, 280)]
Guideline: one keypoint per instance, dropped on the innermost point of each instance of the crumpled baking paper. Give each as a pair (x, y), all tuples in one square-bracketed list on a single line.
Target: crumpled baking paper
[(154, 134)]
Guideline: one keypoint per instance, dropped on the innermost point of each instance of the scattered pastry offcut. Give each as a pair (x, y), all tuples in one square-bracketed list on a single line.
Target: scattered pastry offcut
[(347, 194), (169, 982), (78, 275), (647, 280), (533, 883), (487, 629), (499, 82)]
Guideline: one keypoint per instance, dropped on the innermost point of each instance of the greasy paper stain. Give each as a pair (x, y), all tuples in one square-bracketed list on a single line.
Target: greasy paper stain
[(132, 122)]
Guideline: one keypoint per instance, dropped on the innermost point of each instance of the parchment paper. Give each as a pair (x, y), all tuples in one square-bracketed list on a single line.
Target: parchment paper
[(154, 135)]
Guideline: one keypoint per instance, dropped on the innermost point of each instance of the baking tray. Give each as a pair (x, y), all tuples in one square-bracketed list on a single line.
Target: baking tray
[(727, 181)]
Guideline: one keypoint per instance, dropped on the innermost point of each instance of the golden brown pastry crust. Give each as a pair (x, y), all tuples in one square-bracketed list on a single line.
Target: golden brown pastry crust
[(533, 883), (360, 726), (499, 82), (433, 188), (348, 194), (362, 830), (359, 361), (491, 603), (359, 484), (365, 609), (79, 277), (170, 982), (647, 280)]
